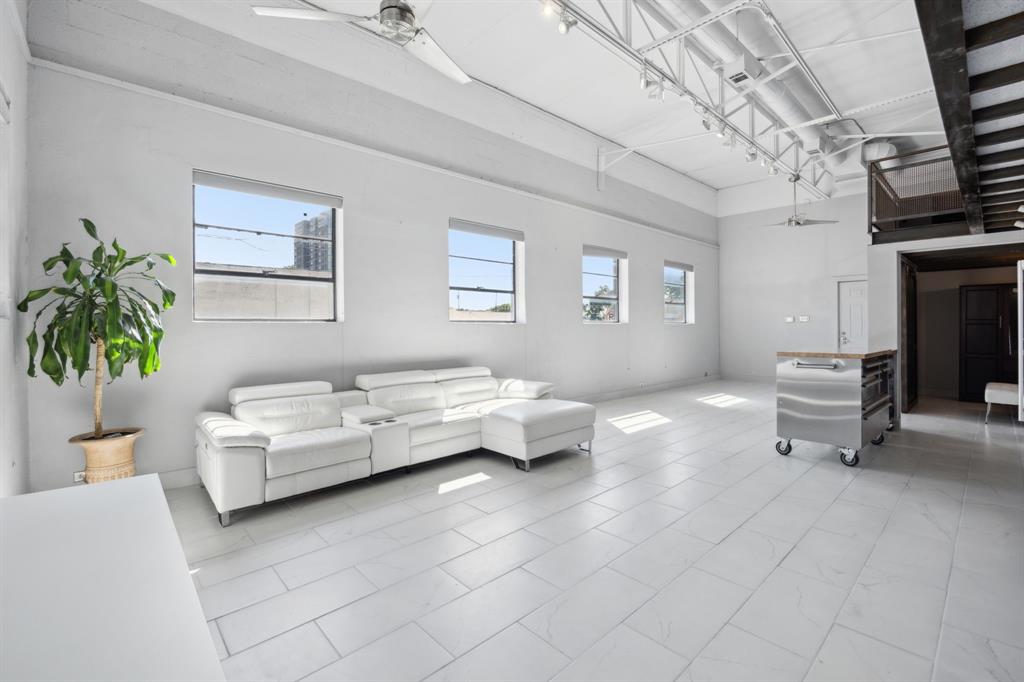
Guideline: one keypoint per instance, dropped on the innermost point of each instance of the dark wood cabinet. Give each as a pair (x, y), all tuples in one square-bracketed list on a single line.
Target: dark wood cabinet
[(988, 343)]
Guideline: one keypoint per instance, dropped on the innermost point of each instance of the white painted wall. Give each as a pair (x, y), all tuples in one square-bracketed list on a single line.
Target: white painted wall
[(13, 250), (938, 325), (769, 273), (125, 159)]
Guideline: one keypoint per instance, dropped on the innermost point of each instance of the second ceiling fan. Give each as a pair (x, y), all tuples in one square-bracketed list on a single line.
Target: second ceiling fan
[(395, 22)]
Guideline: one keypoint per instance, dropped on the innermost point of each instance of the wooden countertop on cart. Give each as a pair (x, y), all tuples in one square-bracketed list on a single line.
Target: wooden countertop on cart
[(840, 356)]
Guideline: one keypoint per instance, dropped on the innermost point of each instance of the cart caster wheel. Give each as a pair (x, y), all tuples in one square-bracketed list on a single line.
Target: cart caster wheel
[(849, 458), (890, 427), (784, 450), (878, 440)]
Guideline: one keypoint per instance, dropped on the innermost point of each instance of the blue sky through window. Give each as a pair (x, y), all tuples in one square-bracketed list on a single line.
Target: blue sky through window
[(215, 206)]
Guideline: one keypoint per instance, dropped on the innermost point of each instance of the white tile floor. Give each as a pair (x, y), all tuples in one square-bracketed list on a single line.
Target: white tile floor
[(684, 548)]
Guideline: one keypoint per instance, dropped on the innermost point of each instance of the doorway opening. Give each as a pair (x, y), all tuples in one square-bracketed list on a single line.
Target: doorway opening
[(958, 322)]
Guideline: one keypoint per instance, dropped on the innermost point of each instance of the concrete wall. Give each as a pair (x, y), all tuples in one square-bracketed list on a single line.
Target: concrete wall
[(769, 273), (938, 325), (124, 158), (13, 251)]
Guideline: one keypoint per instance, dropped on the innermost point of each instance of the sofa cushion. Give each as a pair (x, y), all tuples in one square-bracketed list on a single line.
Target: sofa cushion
[(243, 394), (1001, 394), (461, 391), (276, 416), (521, 388), (291, 453), (408, 398), (488, 406), (368, 382), (429, 426), (534, 419), (460, 373)]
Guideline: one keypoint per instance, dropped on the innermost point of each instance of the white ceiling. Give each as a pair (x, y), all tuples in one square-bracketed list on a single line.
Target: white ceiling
[(510, 45)]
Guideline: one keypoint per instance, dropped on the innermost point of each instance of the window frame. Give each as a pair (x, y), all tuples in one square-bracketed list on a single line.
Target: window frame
[(619, 260), (516, 239), (687, 286), (238, 184)]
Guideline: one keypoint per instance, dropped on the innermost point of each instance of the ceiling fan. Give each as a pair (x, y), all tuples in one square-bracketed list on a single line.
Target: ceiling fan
[(799, 219), (395, 22)]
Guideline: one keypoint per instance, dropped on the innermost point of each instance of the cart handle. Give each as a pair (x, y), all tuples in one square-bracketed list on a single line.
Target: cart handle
[(815, 365)]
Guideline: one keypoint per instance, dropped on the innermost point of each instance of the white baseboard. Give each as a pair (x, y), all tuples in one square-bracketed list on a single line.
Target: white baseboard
[(629, 392), (179, 478)]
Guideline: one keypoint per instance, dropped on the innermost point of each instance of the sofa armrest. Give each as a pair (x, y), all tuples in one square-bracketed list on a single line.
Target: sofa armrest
[(224, 431), (522, 388), (362, 414)]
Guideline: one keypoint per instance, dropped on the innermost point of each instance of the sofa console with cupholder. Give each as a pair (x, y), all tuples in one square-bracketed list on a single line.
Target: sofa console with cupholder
[(285, 439)]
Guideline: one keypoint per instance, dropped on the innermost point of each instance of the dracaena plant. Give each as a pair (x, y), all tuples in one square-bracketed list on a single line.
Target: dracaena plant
[(98, 304)]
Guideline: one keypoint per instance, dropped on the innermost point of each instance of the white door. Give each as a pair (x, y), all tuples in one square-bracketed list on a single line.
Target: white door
[(853, 317), (1020, 340)]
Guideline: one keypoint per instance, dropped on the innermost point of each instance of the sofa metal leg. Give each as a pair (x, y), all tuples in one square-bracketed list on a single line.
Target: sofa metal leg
[(525, 466), (988, 411), (225, 519), (588, 449)]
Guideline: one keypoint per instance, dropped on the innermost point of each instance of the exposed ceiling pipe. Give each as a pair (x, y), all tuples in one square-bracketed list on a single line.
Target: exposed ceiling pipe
[(776, 95)]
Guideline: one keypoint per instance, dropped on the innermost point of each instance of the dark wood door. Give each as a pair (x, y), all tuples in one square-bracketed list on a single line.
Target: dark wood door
[(908, 332), (987, 347)]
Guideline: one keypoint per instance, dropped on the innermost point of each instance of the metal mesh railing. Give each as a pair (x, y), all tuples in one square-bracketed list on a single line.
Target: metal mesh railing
[(913, 186)]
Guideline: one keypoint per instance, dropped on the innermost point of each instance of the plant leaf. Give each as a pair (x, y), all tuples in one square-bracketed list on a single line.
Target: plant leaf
[(33, 348), (120, 253), (168, 257), (71, 271), (33, 295), (89, 227)]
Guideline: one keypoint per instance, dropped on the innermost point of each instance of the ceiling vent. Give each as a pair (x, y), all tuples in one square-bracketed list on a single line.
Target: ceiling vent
[(742, 70)]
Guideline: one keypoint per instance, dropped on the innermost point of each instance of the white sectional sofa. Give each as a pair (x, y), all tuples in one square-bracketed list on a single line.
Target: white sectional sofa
[(284, 439)]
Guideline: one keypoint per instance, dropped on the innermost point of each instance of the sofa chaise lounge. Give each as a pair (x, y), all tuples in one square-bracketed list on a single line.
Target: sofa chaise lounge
[(285, 439)]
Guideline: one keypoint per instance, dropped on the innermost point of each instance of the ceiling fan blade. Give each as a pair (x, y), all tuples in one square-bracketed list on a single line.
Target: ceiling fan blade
[(423, 47), (306, 14)]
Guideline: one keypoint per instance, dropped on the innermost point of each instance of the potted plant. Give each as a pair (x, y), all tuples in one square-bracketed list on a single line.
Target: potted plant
[(98, 305)]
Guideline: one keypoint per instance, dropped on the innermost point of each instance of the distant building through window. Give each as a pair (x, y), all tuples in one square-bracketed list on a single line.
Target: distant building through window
[(262, 251), (602, 274)]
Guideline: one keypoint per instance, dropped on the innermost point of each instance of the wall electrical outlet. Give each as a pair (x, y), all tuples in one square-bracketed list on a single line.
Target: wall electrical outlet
[(79, 477)]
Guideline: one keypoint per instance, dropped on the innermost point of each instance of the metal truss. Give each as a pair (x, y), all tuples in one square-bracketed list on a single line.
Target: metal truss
[(662, 61)]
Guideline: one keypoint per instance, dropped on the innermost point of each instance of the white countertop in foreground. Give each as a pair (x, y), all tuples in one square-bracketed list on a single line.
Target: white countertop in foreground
[(94, 586)]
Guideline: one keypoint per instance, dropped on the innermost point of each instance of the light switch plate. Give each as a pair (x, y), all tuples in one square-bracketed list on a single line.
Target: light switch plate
[(805, 318)]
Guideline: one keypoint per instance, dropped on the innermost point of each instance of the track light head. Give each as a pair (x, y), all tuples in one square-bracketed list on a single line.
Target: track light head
[(699, 108), (1020, 209), (1018, 223), (566, 23), (729, 140), (772, 169), (645, 80), (751, 155), (721, 129), (764, 162), (706, 122)]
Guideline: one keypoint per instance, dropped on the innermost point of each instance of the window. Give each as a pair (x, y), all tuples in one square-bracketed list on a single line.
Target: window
[(675, 291), (603, 271), (484, 273), (261, 251)]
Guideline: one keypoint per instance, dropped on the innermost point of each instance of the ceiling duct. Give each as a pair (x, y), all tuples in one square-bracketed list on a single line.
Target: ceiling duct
[(784, 97)]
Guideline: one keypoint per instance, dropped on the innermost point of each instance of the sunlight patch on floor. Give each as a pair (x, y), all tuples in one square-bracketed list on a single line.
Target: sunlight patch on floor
[(721, 400), (638, 421), (463, 482)]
